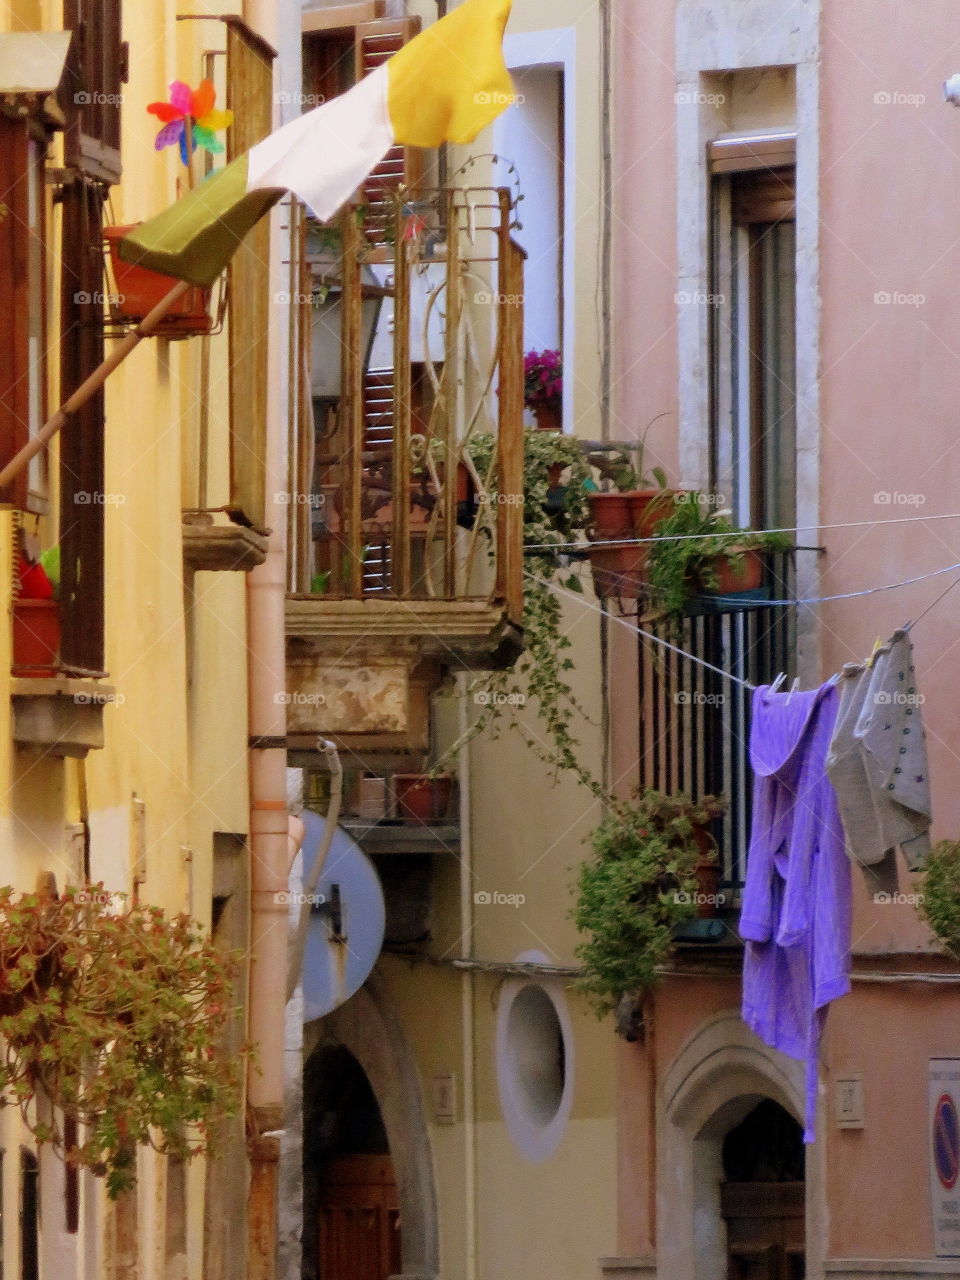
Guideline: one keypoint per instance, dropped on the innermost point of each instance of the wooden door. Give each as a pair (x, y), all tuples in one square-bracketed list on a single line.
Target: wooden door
[(359, 1227), (765, 1230)]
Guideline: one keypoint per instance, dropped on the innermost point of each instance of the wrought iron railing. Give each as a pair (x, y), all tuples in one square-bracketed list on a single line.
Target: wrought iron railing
[(389, 490), (694, 724)]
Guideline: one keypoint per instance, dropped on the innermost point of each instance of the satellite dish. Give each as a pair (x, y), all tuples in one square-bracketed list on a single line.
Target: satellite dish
[(346, 923)]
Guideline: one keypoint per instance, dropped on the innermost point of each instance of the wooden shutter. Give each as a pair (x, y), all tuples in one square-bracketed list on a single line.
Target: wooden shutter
[(22, 380), (250, 97), (92, 140), (764, 195), (401, 166)]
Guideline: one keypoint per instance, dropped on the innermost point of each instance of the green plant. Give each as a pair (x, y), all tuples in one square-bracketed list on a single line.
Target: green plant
[(629, 476), (940, 902), (638, 885), (541, 673), (692, 542), (115, 1017)]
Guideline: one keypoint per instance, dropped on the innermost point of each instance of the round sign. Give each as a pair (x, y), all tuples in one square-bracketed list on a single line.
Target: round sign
[(946, 1141)]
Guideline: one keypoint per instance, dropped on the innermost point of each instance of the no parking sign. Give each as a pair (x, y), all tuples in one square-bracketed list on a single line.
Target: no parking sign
[(944, 1131)]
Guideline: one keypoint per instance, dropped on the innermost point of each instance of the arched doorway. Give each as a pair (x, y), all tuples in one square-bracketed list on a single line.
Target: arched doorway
[(762, 1195), (721, 1077), (351, 1209)]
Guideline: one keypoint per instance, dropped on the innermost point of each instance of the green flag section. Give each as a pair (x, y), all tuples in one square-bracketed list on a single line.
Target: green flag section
[(195, 238), (445, 85)]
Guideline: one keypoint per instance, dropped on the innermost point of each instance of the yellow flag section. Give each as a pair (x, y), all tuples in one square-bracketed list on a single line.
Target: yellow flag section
[(451, 81), (444, 86)]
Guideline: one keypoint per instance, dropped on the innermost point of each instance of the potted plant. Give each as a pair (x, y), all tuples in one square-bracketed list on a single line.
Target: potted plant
[(940, 901), (422, 797), (637, 501), (543, 387), (36, 615), (114, 1015), (138, 290), (641, 881), (699, 551)]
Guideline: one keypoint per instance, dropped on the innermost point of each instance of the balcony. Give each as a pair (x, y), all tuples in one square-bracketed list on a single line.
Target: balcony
[(694, 725), (411, 339)]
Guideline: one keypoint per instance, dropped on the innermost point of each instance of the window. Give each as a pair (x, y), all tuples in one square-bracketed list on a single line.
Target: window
[(22, 263), (93, 130), (753, 306)]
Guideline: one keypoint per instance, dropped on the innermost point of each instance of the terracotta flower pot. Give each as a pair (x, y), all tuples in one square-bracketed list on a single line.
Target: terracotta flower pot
[(36, 637), (744, 574), (619, 571), (548, 415), (422, 799), (139, 291), (649, 508), (708, 887), (611, 515)]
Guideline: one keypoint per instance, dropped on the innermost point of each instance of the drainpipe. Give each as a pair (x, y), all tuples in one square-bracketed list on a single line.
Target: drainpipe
[(467, 992), (269, 824)]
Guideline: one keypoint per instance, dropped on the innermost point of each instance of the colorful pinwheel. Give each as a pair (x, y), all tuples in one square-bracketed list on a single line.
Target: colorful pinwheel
[(195, 105)]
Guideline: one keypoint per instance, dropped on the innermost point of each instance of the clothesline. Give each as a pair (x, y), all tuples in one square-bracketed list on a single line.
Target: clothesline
[(635, 629), (848, 595), (735, 533)]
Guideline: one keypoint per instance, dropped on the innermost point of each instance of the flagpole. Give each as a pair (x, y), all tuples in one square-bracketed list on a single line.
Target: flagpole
[(93, 383)]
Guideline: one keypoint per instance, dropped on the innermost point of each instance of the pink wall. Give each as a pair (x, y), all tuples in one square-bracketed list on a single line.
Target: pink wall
[(890, 410)]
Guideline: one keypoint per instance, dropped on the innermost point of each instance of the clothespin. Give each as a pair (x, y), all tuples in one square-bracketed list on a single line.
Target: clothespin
[(778, 682), (877, 646), (794, 687)]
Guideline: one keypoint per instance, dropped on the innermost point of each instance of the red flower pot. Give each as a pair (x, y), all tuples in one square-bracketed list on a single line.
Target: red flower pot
[(611, 516), (36, 637), (139, 291), (422, 799), (744, 574), (619, 571), (548, 415), (649, 508)]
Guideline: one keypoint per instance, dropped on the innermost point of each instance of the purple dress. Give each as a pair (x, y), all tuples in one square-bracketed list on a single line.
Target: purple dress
[(795, 919)]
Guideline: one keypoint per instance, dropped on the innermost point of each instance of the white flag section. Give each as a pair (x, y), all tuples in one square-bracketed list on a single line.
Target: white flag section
[(324, 155)]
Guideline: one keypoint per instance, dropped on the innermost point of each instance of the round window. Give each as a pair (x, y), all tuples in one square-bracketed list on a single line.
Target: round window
[(534, 1064)]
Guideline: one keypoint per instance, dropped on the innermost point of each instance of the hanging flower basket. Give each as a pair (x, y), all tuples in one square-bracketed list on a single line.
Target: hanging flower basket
[(138, 291)]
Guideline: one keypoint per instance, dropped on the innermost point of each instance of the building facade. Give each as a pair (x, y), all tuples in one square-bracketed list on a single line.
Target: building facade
[(792, 339)]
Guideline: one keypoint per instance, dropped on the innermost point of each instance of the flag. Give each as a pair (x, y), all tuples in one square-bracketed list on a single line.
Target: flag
[(444, 86)]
